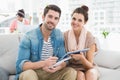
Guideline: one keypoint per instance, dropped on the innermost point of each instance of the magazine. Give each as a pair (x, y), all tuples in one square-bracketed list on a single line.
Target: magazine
[(66, 57)]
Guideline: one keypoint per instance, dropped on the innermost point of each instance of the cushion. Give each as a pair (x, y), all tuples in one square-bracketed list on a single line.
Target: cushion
[(12, 77), (109, 74), (108, 59), (8, 51)]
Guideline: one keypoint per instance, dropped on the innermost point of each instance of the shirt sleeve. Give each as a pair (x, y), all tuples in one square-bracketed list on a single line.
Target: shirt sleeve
[(23, 54)]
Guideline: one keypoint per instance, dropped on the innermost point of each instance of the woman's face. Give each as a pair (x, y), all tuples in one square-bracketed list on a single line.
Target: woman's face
[(20, 18), (77, 21)]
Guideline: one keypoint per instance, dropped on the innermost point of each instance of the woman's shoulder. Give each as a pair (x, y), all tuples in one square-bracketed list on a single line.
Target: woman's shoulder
[(66, 33), (89, 34)]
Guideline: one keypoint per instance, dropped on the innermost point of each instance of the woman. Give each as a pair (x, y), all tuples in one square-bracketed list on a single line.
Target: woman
[(19, 22), (79, 38)]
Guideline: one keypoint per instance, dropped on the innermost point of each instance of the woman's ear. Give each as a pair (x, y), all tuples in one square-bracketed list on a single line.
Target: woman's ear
[(85, 22)]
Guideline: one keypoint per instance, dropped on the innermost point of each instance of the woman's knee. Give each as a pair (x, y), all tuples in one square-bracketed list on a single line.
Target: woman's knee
[(92, 74), (92, 71), (80, 75)]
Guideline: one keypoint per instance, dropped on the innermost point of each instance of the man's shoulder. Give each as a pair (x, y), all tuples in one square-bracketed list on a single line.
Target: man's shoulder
[(32, 33), (57, 30), (58, 33)]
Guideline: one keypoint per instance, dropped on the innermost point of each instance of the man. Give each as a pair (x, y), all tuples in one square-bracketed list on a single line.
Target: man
[(41, 48)]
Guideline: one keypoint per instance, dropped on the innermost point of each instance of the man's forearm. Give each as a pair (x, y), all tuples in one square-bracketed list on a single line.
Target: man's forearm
[(33, 65)]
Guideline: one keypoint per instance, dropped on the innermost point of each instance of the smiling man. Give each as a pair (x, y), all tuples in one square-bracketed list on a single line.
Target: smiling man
[(41, 48)]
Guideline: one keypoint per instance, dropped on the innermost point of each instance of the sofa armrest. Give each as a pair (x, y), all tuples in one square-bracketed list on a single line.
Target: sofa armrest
[(8, 52), (108, 59)]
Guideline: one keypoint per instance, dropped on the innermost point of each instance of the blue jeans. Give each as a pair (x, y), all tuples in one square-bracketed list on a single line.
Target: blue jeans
[(3, 74)]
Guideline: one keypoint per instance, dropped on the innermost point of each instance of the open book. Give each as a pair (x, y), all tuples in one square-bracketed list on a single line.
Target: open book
[(66, 57)]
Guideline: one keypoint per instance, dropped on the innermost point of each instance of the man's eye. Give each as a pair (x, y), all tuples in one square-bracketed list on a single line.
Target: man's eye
[(73, 19), (56, 18)]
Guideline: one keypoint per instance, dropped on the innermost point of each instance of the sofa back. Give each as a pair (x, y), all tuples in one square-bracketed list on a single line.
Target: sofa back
[(8, 51), (108, 58)]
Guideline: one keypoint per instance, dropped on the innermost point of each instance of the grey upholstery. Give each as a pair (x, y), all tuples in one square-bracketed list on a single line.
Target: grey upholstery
[(108, 61), (8, 52)]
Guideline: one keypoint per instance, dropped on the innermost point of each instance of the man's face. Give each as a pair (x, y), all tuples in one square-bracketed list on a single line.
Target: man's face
[(51, 19)]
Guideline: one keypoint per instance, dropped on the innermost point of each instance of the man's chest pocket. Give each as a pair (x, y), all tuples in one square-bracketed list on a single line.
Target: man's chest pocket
[(56, 51), (34, 55)]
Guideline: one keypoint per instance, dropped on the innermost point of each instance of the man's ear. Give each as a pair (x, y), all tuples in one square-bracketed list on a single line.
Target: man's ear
[(43, 17)]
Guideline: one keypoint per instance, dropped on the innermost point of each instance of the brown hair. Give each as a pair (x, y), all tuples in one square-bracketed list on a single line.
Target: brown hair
[(52, 7), (82, 10)]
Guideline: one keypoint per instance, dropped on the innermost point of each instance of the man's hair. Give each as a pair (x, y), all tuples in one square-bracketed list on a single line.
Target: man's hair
[(52, 7)]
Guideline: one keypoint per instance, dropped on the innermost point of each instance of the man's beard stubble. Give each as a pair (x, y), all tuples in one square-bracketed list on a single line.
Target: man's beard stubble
[(47, 27)]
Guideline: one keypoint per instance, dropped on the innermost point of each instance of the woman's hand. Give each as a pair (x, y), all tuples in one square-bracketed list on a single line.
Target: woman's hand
[(77, 56)]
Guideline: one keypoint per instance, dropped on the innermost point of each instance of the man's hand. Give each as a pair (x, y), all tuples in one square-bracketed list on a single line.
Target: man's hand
[(52, 69), (50, 61)]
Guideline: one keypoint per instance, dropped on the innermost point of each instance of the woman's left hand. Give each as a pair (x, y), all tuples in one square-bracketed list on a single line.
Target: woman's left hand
[(77, 56)]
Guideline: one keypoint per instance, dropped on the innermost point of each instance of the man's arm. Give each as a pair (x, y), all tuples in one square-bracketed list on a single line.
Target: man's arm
[(23, 54), (33, 65), (40, 64), (61, 65)]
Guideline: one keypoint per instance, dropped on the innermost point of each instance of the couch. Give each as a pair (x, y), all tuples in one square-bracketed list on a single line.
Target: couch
[(108, 61), (8, 53), (109, 64)]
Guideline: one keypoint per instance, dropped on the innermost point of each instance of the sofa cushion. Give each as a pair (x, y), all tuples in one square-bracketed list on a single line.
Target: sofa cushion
[(109, 74), (8, 51), (108, 59), (12, 77)]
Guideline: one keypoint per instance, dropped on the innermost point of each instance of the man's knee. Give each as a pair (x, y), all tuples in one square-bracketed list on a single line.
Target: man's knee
[(70, 71), (28, 75)]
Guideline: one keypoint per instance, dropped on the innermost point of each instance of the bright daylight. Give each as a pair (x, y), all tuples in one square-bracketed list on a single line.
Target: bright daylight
[(38, 42)]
